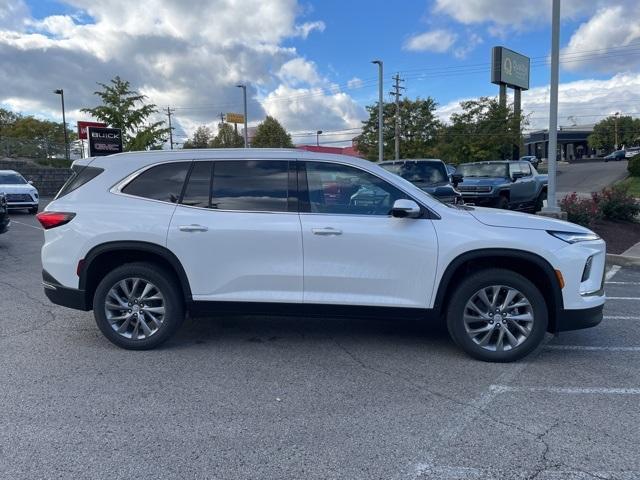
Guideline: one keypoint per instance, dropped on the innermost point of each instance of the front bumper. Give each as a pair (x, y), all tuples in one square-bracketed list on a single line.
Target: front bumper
[(64, 296), (480, 200), (579, 319), (13, 205)]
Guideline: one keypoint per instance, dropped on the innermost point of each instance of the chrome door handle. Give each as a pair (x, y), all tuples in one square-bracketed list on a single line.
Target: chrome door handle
[(326, 231), (192, 228)]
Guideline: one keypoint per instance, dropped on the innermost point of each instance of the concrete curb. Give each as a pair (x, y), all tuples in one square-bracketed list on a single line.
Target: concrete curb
[(623, 260)]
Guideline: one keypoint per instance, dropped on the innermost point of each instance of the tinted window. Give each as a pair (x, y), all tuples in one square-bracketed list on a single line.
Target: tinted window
[(342, 189), (196, 193), (80, 175), (253, 185), (163, 182), (420, 173)]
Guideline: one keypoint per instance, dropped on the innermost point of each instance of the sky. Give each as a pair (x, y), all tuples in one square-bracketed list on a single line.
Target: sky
[(309, 63)]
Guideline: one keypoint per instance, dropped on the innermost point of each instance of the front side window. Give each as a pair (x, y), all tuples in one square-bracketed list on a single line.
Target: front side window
[(250, 185), (162, 182), (341, 189), (525, 167)]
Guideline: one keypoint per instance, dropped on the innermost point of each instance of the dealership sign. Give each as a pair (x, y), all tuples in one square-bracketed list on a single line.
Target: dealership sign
[(104, 141), (234, 118), (510, 68), (82, 128)]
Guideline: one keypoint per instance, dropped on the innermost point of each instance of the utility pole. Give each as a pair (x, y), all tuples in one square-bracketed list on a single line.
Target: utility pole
[(60, 92), (380, 111), (244, 97), (552, 204), (616, 129), (396, 93), (169, 113)]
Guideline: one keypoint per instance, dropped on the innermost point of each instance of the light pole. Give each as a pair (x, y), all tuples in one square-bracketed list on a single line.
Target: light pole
[(318, 133), (552, 203), (244, 100), (60, 92), (380, 111), (616, 115)]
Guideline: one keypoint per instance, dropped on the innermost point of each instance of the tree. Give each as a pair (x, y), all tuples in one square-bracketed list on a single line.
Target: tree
[(604, 133), (419, 127), (125, 109), (270, 134), (201, 138), (26, 136), (227, 137), (483, 130)]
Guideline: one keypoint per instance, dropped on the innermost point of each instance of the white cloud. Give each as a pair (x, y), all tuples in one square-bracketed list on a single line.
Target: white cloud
[(473, 40), (438, 41), (299, 71), (190, 53), (582, 102), (355, 82), (314, 109), (607, 29)]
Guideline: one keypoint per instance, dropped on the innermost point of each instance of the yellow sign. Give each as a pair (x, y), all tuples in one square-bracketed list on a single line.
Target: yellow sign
[(234, 118)]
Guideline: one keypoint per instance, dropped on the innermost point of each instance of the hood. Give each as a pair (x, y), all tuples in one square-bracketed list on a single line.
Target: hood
[(25, 188), (439, 190), (472, 181), (505, 218)]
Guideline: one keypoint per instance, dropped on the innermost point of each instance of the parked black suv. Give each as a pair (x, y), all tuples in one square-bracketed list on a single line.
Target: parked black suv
[(4, 214), (430, 175)]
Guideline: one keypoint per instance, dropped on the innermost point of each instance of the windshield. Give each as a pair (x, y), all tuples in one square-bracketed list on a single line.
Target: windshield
[(419, 172), (484, 170), (11, 179)]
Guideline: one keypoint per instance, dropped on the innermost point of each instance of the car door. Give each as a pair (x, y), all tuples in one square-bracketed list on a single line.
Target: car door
[(529, 183), (237, 232), (355, 253), (518, 187)]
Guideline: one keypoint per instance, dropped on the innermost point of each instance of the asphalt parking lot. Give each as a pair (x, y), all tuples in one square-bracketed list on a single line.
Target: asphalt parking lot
[(265, 398)]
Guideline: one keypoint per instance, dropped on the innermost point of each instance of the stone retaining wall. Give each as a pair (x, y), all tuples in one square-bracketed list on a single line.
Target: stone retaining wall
[(47, 180)]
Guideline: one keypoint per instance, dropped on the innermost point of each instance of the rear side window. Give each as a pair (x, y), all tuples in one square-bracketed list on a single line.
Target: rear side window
[(163, 182), (79, 176), (197, 193), (250, 185)]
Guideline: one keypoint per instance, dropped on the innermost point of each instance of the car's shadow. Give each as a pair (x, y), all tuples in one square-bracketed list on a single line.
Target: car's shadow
[(263, 329)]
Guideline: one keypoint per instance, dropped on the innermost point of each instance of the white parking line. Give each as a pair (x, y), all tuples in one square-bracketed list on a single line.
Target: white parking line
[(619, 317), (615, 269), (622, 283), (623, 298), (568, 390), (592, 348), (25, 224)]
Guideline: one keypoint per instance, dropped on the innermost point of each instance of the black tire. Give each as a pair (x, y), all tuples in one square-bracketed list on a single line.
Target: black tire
[(33, 210), (467, 289), (502, 203), (540, 202), (165, 283)]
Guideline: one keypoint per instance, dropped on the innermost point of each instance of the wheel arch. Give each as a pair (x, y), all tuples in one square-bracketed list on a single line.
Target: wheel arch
[(107, 256), (530, 265)]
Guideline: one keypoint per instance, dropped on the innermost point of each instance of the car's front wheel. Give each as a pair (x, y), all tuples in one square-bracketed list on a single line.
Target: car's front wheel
[(497, 315), (138, 306)]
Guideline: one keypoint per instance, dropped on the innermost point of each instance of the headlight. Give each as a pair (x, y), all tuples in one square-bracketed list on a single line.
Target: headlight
[(574, 237)]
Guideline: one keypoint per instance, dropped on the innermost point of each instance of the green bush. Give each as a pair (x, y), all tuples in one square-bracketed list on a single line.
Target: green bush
[(616, 203), (583, 211), (634, 166)]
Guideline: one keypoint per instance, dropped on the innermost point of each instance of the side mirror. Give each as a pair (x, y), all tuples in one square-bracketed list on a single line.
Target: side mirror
[(516, 175), (456, 178), (30, 182), (404, 208)]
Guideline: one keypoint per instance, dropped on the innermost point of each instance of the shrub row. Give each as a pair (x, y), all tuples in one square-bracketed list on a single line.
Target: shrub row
[(613, 203)]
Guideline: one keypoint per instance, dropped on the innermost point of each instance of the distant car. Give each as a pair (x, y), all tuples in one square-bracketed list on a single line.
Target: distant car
[(505, 184), (532, 159), (4, 214), (631, 152), (19, 192), (614, 156), (430, 175)]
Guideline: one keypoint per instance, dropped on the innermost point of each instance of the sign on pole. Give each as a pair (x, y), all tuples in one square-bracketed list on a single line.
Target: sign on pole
[(510, 68), (234, 118), (82, 128), (104, 141)]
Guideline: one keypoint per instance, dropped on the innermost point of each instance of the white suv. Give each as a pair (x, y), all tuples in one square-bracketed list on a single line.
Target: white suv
[(141, 238)]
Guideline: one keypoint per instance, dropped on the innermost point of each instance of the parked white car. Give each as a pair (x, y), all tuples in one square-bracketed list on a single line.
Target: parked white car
[(142, 237), (19, 192)]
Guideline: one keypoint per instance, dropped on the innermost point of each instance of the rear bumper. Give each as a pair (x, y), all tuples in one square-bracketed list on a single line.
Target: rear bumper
[(579, 319), (64, 296)]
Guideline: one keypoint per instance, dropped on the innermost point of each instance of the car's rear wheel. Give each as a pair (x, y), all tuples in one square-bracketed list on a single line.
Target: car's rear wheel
[(540, 202), (497, 315), (137, 306)]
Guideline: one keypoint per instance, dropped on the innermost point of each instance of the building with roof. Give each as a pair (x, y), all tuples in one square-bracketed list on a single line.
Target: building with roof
[(572, 143)]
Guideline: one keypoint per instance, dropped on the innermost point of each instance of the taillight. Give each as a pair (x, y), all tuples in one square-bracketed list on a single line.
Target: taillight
[(54, 219)]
